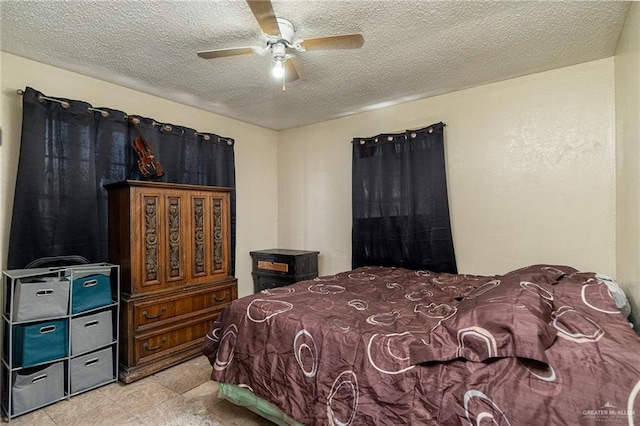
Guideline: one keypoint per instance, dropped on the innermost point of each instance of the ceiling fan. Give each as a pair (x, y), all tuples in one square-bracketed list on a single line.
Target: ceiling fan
[(281, 42)]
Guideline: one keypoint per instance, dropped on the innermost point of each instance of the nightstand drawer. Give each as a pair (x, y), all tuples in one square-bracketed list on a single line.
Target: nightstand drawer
[(285, 262), (263, 282), (269, 265)]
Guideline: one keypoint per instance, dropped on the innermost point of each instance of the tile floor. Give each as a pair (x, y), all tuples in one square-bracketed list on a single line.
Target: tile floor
[(182, 394)]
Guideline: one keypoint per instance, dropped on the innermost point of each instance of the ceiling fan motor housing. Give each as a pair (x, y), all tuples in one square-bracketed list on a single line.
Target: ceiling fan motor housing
[(287, 32)]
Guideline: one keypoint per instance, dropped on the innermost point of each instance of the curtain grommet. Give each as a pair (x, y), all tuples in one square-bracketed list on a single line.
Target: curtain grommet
[(430, 130), (390, 138), (362, 142), (413, 135)]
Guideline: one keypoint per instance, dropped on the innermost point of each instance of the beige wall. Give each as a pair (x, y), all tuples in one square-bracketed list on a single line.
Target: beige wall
[(531, 172), (255, 149), (627, 79), (530, 161)]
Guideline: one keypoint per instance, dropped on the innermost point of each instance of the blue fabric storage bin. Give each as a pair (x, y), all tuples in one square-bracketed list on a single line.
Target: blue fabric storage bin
[(90, 289), (40, 342)]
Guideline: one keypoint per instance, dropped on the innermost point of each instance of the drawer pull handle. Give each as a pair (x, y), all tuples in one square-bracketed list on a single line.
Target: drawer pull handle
[(47, 329), (162, 312), (39, 379), (90, 362), (44, 292), (146, 345), (221, 299), (91, 323), (90, 283)]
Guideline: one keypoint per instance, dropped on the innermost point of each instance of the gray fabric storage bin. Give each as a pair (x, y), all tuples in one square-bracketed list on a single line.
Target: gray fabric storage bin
[(33, 388), (40, 298), (91, 331), (92, 369)]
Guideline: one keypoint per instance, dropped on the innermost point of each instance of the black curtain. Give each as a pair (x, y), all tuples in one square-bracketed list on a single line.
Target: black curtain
[(400, 203), (70, 150)]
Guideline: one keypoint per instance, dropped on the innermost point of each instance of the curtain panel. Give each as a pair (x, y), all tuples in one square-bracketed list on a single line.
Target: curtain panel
[(400, 201), (68, 153)]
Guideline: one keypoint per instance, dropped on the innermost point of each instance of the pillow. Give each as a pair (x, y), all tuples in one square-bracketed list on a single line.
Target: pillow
[(506, 317), (618, 295), (551, 273)]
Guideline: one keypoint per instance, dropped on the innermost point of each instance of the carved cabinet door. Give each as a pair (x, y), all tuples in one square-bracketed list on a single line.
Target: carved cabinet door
[(209, 239), (160, 223)]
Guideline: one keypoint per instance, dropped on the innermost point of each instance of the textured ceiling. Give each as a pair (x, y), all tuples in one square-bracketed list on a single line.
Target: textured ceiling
[(412, 49)]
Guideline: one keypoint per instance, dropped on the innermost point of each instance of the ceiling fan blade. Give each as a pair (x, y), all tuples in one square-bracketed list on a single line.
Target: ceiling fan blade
[(221, 53), (290, 71), (347, 41), (263, 11)]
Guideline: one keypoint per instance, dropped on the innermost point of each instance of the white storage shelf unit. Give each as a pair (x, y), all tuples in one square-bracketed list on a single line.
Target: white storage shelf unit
[(60, 334)]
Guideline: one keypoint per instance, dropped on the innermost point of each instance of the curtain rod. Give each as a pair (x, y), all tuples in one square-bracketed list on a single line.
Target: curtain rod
[(412, 130), (63, 104), (105, 114), (390, 135)]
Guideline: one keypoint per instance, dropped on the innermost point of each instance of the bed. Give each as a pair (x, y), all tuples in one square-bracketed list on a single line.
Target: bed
[(545, 344)]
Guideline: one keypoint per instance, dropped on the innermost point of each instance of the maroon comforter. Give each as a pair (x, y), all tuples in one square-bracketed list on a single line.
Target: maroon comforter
[(389, 346)]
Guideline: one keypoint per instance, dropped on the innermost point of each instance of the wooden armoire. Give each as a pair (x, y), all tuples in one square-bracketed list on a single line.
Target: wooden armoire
[(173, 245)]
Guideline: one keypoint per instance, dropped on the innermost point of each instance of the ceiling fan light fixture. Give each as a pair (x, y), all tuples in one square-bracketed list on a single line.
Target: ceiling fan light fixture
[(278, 68)]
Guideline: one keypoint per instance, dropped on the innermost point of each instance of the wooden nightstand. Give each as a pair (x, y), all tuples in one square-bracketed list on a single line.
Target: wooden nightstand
[(280, 267)]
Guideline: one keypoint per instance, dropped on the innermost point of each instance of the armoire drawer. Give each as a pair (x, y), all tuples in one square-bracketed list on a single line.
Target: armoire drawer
[(167, 341), (181, 306)]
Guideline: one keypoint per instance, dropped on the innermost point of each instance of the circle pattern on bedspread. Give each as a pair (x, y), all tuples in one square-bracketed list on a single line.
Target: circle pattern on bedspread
[(477, 406), (597, 297), (537, 289), (384, 318), (326, 289), (306, 352), (363, 276), (483, 289), (342, 402), (278, 291), (322, 305), (383, 357), (358, 304), (553, 270), (214, 335), (226, 348), (541, 378), (341, 325), (416, 296), (575, 326), (326, 278), (445, 280), (478, 338), (260, 310), (433, 310)]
